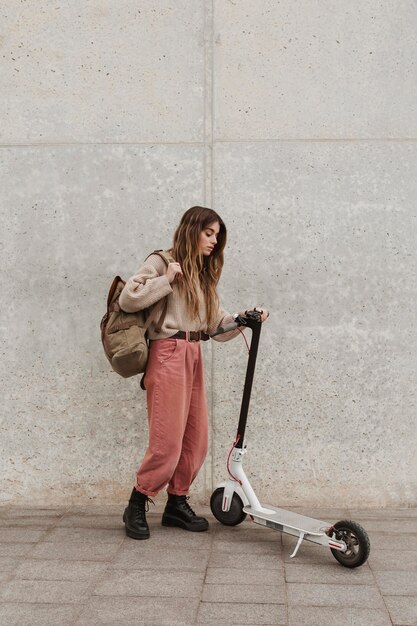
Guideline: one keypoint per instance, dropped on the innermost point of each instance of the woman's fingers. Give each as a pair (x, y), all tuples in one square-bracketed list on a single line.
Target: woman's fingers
[(173, 270), (264, 312)]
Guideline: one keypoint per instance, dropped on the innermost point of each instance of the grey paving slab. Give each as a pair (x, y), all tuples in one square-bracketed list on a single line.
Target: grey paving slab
[(393, 560), (397, 583), (44, 591), (74, 551), (397, 513), (15, 549), (331, 573), (38, 522), (340, 616), (256, 561), (38, 569), (247, 546), (229, 613), (245, 576), (112, 522), (34, 614), (134, 555), (89, 535), (242, 533), (97, 510), (151, 583), (20, 535), (382, 541), (301, 594), (139, 611), (390, 526), (402, 609), (244, 594), (28, 513), (172, 538), (8, 563)]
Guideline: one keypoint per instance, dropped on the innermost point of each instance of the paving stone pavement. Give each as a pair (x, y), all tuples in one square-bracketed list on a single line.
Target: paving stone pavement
[(75, 566)]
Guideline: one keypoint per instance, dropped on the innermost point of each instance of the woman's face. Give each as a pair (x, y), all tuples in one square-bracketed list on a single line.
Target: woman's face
[(208, 238)]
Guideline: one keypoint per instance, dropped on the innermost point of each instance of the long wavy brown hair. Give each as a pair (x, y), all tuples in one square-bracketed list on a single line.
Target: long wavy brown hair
[(197, 268)]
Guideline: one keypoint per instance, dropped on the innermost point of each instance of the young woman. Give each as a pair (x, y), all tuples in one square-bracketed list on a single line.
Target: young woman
[(177, 410)]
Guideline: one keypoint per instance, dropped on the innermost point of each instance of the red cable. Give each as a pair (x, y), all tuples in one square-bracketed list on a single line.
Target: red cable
[(228, 459), (243, 335)]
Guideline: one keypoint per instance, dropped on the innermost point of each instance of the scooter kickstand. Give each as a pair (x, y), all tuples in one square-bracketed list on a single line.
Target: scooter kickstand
[(299, 542)]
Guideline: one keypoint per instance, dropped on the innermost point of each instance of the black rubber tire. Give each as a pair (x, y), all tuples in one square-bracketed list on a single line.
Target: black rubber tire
[(357, 541), (234, 516)]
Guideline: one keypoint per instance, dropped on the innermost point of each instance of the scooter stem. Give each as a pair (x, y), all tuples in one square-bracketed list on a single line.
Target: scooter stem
[(255, 326)]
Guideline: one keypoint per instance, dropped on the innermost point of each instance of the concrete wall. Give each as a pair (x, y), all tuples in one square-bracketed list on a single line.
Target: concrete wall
[(297, 122)]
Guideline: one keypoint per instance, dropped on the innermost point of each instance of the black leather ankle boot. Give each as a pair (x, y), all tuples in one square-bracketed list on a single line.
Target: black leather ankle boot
[(179, 513), (134, 516)]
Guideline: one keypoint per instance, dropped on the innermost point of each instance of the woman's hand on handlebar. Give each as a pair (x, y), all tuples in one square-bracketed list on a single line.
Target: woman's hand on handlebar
[(264, 312)]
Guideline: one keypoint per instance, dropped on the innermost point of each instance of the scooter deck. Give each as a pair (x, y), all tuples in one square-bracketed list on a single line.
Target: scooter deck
[(278, 518)]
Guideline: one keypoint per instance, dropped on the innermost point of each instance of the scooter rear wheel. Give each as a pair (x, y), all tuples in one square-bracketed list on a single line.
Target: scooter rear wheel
[(357, 541), (234, 516)]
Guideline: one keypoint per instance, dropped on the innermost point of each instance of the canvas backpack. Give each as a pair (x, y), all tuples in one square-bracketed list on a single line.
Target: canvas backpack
[(123, 335)]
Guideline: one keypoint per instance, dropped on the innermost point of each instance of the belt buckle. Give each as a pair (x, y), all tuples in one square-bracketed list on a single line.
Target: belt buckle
[(188, 335)]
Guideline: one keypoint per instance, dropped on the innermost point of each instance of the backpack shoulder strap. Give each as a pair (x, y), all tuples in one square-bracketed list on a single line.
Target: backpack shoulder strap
[(167, 258), (152, 317), (165, 255)]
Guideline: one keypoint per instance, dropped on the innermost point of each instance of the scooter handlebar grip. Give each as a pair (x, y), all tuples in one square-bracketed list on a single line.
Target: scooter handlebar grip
[(225, 329)]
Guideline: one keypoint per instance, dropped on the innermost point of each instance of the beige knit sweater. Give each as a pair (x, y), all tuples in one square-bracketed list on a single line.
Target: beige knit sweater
[(149, 286)]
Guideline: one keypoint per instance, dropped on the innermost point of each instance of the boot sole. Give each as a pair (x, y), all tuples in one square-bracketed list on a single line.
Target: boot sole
[(132, 534), (179, 523)]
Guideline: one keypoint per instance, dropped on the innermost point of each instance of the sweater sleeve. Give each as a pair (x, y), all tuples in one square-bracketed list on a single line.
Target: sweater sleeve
[(223, 318), (146, 287)]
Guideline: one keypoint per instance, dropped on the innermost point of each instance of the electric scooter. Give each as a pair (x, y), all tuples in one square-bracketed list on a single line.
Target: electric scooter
[(234, 499)]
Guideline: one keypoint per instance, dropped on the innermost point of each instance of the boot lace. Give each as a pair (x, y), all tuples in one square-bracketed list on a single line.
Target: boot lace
[(187, 506), (147, 503), (142, 507)]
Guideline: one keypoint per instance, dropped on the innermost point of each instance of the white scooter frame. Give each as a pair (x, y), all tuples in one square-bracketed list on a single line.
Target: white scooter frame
[(233, 499)]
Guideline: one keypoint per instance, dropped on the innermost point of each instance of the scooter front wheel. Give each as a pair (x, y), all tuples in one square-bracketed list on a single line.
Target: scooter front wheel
[(357, 541), (234, 516)]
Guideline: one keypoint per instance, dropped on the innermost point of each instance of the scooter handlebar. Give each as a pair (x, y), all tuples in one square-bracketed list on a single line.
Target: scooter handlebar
[(225, 329), (240, 320)]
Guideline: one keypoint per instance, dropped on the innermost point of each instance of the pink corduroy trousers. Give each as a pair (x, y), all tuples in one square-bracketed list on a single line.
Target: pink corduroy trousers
[(177, 417)]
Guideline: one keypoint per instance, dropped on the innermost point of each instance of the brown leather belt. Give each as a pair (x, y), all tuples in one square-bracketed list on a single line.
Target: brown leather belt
[(191, 335)]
